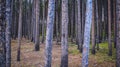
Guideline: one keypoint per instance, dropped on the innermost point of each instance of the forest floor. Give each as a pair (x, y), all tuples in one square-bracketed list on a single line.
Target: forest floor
[(31, 58)]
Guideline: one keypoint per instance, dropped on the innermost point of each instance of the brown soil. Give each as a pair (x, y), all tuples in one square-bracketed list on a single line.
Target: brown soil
[(31, 58)]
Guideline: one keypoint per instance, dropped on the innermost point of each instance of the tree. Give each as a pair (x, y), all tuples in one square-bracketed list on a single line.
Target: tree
[(64, 39), (114, 13), (2, 34), (79, 26), (43, 22), (57, 21), (76, 23), (83, 18), (93, 28), (97, 24), (118, 33), (37, 34), (19, 31), (33, 20), (8, 33), (88, 21), (72, 17), (49, 34), (109, 28)]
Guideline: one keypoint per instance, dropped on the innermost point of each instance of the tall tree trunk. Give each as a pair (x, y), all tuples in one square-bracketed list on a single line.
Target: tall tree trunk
[(64, 41), (72, 19), (33, 22), (56, 13), (34, 17), (15, 21), (79, 26), (43, 23), (37, 34), (97, 24), (106, 17), (2, 34), (118, 33), (49, 34), (88, 21), (19, 31), (83, 18), (8, 33), (93, 28), (109, 28), (115, 26), (76, 23), (99, 7)]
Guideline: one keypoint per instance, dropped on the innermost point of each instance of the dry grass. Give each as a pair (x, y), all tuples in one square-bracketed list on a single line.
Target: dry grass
[(31, 58)]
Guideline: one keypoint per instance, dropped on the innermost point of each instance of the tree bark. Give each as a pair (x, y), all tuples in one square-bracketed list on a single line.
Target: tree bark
[(2, 34), (115, 25), (83, 18), (88, 21), (79, 26), (19, 31), (37, 34), (64, 39), (43, 23), (109, 29), (97, 24), (56, 13), (118, 33), (49, 34), (93, 28), (8, 33), (76, 24)]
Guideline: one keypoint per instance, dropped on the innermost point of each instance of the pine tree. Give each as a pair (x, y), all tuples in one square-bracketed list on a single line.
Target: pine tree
[(88, 21), (8, 33), (64, 40), (79, 25), (37, 34), (109, 28), (2, 34), (49, 33), (118, 34), (19, 31), (93, 28)]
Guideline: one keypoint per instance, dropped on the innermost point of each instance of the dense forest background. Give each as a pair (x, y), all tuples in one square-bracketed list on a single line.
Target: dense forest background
[(59, 33)]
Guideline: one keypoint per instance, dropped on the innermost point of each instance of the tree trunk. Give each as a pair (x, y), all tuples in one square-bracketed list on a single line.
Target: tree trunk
[(2, 34), (88, 21), (34, 21), (97, 24), (118, 33), (19, 31), (109, 28), (37, 34), (93, 28), (115, 26), (83, 18), (8, 33), (72, 19), (49, 34), (43, 23), (79, 26), (76, 23), (56, 13), (64, 41)]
